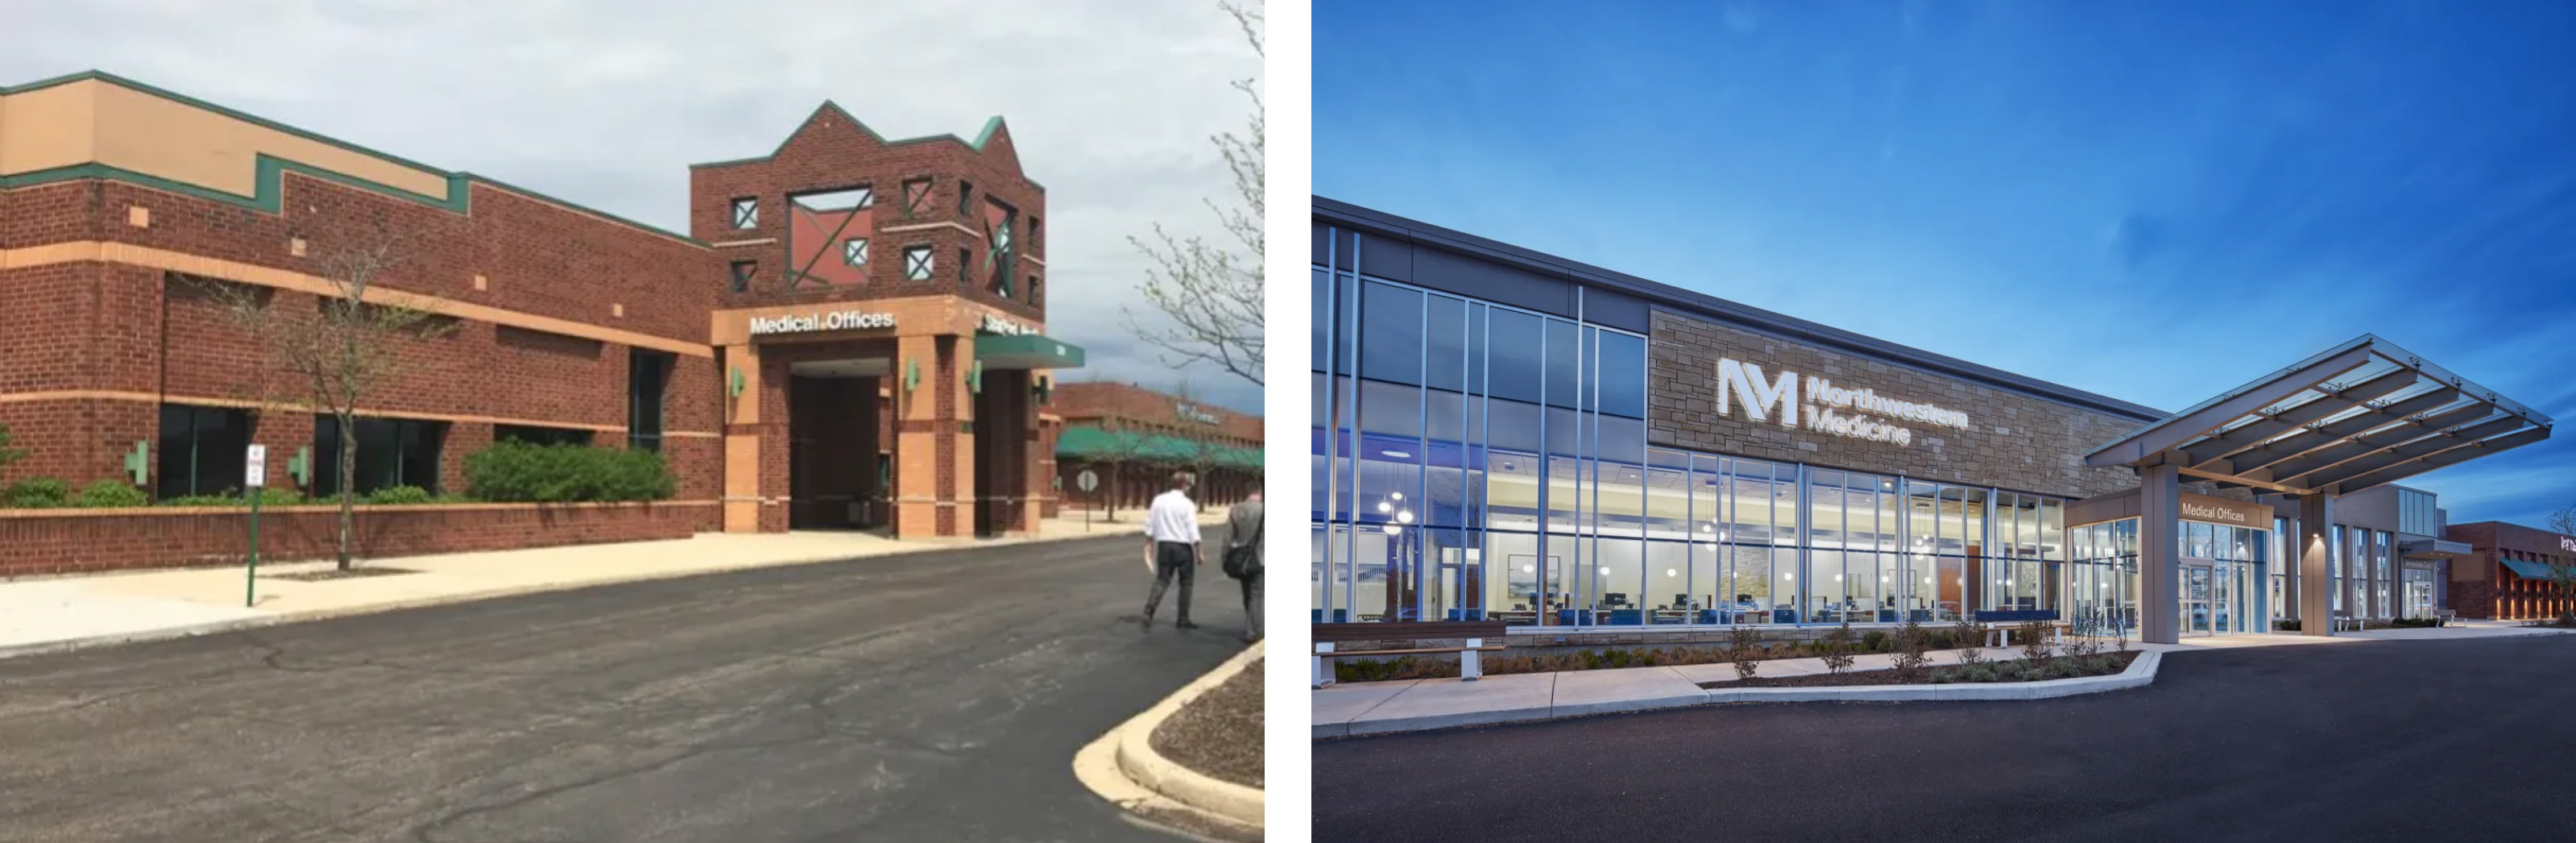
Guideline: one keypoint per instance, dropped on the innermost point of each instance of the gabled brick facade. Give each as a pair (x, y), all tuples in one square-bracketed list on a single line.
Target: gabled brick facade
[(114, 221)]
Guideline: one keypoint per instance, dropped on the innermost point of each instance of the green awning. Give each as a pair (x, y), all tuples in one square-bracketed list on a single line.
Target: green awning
[(1095, 445), (1026, 351), (2528, 569)]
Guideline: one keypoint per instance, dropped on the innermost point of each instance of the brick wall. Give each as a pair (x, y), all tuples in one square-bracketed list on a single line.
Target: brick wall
[(2018, 441), (828, 153), (72, 330), (83, 541), (1085, 404)]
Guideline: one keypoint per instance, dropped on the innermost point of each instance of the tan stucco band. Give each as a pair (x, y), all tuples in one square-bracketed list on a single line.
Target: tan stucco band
[(940, 314), (126, 254), (208, 401), (92, 121)]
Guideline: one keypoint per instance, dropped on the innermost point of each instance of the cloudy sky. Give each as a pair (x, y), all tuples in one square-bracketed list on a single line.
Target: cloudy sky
[(2152, 201), (606, 104)]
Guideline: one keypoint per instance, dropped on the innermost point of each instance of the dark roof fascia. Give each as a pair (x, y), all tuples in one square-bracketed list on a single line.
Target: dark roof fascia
[(1696, 304)]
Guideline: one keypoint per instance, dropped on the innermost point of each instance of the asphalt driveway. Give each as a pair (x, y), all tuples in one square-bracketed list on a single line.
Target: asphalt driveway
[(2367, 740), (933, 696)]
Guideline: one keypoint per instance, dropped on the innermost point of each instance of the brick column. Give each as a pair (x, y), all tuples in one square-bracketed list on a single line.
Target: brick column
[(934, 456), (744, 416)]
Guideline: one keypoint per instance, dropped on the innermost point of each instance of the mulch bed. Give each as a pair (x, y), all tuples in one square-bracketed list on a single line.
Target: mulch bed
[(1868, 677), (1219, 733)]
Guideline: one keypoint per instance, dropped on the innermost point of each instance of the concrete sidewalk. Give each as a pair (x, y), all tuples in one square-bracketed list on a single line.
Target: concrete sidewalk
[(1407, 705), (43, 615)]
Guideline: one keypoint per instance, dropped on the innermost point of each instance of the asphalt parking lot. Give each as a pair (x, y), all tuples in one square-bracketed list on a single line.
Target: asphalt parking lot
[(929, 696), (2367, 740)]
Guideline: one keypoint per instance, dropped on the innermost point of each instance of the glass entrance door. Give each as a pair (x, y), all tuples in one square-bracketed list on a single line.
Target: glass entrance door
[(2196, 612), (2222, 598)]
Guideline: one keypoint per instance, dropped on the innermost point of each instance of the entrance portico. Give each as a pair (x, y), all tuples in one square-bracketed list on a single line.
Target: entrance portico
[(808, 388), (2360, 415)]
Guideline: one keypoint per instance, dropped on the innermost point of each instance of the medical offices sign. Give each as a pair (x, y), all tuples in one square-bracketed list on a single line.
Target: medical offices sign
[(838, 320), (1830, 409)]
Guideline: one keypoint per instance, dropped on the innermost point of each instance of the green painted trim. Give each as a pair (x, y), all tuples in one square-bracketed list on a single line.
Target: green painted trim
[(270, 168)]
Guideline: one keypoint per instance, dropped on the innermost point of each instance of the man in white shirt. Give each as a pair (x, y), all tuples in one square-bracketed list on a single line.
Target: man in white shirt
[(1172, 530)]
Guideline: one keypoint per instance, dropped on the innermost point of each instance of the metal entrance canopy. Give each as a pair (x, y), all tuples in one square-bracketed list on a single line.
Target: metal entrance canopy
[(2354, 416)]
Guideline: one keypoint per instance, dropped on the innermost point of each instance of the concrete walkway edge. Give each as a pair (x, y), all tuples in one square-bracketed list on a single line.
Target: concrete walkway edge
[(2140, 672), (1123, 767), (244, 623)]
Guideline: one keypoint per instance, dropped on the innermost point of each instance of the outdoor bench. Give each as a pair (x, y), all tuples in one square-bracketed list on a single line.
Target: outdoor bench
[(1473, 634)]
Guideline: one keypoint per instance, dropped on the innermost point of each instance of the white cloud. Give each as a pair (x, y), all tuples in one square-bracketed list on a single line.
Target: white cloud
[(605, 104)]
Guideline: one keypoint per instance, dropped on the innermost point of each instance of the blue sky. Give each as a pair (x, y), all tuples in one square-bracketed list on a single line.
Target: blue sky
[(2156, 202)]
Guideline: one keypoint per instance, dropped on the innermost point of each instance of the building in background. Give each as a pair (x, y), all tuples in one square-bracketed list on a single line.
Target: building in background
[(851, 334), (1132, 439), (1502, 434), (2507, 573)]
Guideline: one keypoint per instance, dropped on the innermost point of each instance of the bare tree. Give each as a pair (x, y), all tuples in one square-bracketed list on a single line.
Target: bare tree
[(1120, 449), (1201, 448), (337, 357), (1209, 295)]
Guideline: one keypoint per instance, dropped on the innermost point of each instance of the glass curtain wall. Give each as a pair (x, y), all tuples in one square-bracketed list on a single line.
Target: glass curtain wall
[(2102, 578), (1475, 461), (1459, 479)]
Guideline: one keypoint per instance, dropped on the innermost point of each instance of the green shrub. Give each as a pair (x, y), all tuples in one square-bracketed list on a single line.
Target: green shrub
[(8, 454), (268, 496), (112, 494), (516, 472), (1874, 641), (398, 495), (37, 493)]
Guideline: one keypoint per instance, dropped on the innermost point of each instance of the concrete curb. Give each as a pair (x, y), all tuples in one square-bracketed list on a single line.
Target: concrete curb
[(2139, 673), (239, 624), (1123, 767)]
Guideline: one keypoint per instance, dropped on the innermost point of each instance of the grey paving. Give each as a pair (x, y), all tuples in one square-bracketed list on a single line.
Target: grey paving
[(2364, 740), (936, 696)]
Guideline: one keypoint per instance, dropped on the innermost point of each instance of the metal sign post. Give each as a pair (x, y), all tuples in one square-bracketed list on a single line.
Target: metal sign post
[(1087, 481), (254, 477)]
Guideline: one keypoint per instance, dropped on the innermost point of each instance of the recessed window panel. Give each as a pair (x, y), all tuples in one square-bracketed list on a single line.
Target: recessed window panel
[(1390, 333)]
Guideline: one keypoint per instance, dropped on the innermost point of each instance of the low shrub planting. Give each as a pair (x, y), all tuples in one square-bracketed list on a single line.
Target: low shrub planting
[(1837, 649), (111, 494), (397, 495), (37, 493), (516, 472), (2060, 667), (268, 496)]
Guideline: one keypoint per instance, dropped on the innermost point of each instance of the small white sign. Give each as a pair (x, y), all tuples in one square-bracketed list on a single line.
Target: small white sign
[(1000, 325), (1086, 481), (255, 467)]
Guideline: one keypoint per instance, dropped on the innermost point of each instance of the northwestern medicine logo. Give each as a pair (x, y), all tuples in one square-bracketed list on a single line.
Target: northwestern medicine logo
[(1740, 380)]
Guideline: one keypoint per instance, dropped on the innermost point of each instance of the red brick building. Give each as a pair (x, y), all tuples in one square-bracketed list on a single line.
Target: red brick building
[(1132, 438), (851, 334), (2509, 576)]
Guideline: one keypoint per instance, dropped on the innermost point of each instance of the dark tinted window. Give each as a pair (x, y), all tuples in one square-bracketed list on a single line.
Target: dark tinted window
[(540, 435), (647, 373), (1391, 333), (1445, 338), (1517, 357), (202, 450), (1564, 363), (1623, 375), (391, 452)]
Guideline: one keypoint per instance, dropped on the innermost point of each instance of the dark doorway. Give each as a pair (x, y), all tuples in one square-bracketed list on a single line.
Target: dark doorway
[(833, 471)]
